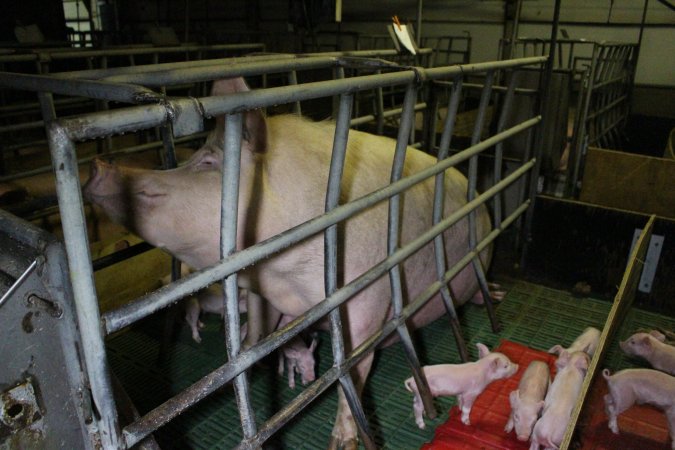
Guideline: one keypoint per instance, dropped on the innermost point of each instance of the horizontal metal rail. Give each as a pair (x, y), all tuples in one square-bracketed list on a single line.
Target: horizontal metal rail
[(144, 306), (43, 55), (119, 92), (111, 154)]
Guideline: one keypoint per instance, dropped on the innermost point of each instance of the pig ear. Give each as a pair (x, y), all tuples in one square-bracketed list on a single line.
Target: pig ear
[(255, 128), (563, 359), (645, 341), (207, 160), (658, 335), (482, 350), (582, 363), (556, 349), (312, 346)]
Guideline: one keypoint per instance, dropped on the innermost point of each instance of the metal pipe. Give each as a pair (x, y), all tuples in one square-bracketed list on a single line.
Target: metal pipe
[(228, 243), (393, 227), (499, 148), (124, 93), (112, 154), (148, 304), (439, 201), (471, 193), (82, 280), (19, 281)]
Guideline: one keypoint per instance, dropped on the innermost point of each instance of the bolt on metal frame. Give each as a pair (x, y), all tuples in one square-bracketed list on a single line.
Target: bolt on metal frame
[(186, 116)]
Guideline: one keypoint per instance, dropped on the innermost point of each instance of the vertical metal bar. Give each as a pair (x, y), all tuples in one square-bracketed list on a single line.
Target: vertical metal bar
[(499, 148), (471, 194), (544, 87), (407, 119), (293, 80), (74, 227), (228, 242), (420, 7), (330, 260), (338, 74), (168, 156), (583, 131), (379, 107), (439, 199)]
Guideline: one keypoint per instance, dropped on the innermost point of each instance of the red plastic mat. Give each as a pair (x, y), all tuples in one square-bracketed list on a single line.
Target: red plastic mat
[(640, 427), (490, 412)]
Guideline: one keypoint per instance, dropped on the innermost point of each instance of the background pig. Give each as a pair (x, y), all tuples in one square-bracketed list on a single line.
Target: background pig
[(586, 342), (466, 381), (528, 400), (285, 163), (651, 346), (560, 400), (632, 386)]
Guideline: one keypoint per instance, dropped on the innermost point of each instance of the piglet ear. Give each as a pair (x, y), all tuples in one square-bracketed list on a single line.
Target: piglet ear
[(563, 359), (312, 346), (482, 350), (255, 128), (540, 405), (646, 341), (658, 335)]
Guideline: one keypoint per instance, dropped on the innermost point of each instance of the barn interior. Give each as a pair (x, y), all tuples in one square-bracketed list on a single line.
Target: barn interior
[(564, 109)]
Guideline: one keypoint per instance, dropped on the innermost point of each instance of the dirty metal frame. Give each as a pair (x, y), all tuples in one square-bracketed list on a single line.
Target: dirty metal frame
[(603, 106), (186, 116), (605, 89), (132, 85), (43, 57)]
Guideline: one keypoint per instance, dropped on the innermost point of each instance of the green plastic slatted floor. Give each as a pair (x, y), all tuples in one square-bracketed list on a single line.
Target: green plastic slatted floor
[(531, 315)]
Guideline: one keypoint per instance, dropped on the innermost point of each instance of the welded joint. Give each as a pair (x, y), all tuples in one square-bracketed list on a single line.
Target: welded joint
[(185, 115)]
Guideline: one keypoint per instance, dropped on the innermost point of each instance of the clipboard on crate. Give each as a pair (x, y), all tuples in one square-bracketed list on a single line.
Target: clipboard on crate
[(403, 36)]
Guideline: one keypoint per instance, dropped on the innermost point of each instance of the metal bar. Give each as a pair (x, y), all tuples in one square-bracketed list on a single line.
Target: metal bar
[(622, 302), (228, 243), (330, 264), (386, 114), (393, 238), (88, 159), (19, 281), (148, 304), (82, 280), (499, 148), (293, 80), (471, 193), (439, 199), (223, 374), (124, 93)]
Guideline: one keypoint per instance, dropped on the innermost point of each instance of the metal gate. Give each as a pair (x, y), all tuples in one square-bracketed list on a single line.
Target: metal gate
[(184, 116)]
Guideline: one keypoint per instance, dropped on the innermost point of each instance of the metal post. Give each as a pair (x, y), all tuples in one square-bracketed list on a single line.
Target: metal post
[(544, 86), (228, 242), (439, 196), (471, 194), (82, 279), (330, 271), (393, 227)]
